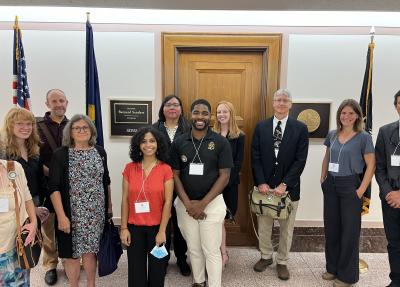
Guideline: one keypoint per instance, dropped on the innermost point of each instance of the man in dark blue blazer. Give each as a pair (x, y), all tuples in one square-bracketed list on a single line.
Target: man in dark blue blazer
[(279, 154), (387, 174)]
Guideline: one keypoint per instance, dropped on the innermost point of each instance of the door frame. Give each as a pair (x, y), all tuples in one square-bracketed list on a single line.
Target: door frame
[(270, 45)]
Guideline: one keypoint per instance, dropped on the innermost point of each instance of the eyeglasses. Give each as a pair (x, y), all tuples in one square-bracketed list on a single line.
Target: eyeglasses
[(172, 105), (283, 101), (23, 125), (80, 129)]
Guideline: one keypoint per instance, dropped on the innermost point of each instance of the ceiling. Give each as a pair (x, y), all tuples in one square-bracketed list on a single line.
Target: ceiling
[(307, 5)]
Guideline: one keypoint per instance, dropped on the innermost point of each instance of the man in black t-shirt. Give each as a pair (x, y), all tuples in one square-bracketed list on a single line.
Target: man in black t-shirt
[(201, 160), (50, 129)]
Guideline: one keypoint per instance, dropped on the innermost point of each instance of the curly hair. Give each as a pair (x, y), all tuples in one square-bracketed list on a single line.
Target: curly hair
[(9, 140), (134, 149)]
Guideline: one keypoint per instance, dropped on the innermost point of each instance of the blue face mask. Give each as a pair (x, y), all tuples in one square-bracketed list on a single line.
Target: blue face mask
[(159, 251)]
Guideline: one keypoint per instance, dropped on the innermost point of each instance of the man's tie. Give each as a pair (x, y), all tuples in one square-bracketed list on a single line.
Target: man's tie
[(277, 138)]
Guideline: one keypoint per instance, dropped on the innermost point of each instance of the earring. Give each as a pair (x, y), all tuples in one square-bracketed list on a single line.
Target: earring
[(140, 153)]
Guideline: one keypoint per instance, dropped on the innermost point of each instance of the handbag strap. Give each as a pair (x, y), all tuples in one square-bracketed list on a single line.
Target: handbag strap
[(19, 242), (10, 170), (48, 135)]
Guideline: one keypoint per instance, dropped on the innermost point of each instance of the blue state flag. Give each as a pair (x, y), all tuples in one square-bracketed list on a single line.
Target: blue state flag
[(93, 103)]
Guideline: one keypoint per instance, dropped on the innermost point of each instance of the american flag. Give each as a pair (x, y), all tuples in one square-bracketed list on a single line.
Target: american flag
[(21, 96)]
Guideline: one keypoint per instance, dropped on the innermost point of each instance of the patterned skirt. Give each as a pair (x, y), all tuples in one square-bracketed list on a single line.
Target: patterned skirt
[(11, 275)]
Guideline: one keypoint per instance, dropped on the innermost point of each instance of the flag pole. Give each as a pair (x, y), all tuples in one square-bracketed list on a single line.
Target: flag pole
[(362, 264), (88, 16)]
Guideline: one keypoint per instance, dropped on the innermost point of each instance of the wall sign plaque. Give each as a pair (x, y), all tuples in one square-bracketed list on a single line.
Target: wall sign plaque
[(127, 116)]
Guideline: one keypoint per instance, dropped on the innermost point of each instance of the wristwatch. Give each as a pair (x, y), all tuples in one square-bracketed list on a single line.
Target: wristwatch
[(284, 184)]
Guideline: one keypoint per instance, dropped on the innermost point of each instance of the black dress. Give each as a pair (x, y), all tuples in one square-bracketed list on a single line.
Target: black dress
[(230, 192)]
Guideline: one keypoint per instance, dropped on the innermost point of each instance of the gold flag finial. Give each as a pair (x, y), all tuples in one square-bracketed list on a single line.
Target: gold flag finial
[(88, 16), (16, 22)]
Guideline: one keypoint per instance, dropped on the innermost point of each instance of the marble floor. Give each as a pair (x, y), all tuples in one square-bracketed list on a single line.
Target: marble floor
[(305, 267)]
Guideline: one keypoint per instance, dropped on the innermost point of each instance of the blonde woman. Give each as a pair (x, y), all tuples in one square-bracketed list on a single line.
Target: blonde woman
[(226, 126), (21, 143)]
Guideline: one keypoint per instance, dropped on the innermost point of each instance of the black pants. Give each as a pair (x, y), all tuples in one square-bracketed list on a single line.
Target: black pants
[(144, 270), (230, 194), (391, 222), (180, 247), (342, 220)]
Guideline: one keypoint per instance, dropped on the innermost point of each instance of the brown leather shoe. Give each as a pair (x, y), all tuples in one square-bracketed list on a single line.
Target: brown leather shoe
[(283, 272), (262, 264), (328, 276)]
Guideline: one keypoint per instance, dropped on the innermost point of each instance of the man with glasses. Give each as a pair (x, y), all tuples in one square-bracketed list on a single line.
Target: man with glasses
[(201, 160), (279, 154), (50, 129)]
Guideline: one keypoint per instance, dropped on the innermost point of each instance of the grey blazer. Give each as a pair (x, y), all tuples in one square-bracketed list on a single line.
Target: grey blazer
[(387, 176)]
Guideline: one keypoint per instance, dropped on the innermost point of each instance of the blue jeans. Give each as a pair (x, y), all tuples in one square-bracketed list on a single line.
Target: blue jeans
[(391, 222)]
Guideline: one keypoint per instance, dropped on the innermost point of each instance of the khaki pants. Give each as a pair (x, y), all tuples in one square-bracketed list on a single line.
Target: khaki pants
[(50, 254), (265, 224), (203, 238)]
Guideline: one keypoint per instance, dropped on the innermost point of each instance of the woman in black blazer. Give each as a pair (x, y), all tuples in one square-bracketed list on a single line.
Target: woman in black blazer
[(79, 187), (226, 126)]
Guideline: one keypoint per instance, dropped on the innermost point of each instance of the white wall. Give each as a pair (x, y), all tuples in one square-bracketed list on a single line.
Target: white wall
[(315, 67), (56, 59), (331, 67)]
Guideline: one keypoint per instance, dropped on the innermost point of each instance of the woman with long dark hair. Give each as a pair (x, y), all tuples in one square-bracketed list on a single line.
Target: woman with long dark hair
[(147, 189)]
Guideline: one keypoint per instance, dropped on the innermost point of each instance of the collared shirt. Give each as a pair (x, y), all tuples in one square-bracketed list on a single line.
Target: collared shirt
[(56, 130), (214, 152), (283, 126)]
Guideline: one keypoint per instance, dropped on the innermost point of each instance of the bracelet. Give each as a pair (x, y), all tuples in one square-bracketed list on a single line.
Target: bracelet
[(123, 228)]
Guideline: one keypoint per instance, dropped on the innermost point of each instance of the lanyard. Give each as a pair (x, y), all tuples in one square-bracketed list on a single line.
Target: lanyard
[(340, 150), (143, 182), (196, 149)]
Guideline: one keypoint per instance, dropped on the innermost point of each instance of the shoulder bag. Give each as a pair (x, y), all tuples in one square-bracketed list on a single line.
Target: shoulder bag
[(28, 256), (277, 207)]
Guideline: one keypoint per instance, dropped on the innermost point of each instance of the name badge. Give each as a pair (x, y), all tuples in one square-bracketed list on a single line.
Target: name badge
[(142, 207), (333, 167), (4, 205), (395, 160), (196, 169)]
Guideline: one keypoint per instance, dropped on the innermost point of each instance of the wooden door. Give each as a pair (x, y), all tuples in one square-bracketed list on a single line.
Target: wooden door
[(241, 74)]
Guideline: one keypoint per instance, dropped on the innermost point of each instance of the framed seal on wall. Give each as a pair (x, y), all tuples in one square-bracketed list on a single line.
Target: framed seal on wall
[(316, 115)]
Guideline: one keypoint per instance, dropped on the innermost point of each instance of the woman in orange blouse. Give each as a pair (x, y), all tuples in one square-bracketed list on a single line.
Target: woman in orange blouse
[(147, 190)]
